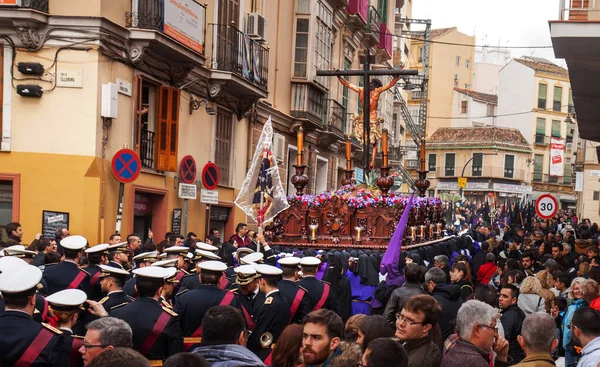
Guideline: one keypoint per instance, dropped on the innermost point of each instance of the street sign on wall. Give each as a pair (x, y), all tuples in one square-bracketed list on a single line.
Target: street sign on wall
[(188, 169), (187, 191)]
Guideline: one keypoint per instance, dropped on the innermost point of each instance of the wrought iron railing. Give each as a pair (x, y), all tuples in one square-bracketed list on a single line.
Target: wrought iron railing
[(307, 102), (483, 171), (567, 179), (411, 163), (334, 117), (146, 14), (542, 139), (147, 152), (374, 20), (234, 51), (41, 5)]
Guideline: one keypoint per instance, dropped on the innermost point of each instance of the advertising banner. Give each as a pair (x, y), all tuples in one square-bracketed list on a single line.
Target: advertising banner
[(184, 21), (557, 157)]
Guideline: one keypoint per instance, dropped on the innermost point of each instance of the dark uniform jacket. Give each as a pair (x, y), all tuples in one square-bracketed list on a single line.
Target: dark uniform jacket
[(73, 344), (193, 281), (95, 290), (289, 290), (58, 277), (273, 317), (40, 313), (250, 306), (142, 315), (315, 289), (129, 288), (115, 299), (18, 331), (115, 264), (191, 306)]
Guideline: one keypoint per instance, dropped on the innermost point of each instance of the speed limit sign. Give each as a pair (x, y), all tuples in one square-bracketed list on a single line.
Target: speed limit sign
[(546, 206)]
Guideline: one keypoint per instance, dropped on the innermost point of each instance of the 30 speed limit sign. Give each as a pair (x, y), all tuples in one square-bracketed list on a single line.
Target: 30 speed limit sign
[(546, 206)]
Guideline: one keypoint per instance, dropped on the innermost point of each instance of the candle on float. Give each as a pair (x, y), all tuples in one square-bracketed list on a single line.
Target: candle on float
[(300, 144), (348, 153), (384, 147)]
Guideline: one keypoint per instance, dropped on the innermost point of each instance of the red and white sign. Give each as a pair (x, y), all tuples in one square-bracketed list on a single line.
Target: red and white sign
[(557, 157), (184, 21), (546, 206)]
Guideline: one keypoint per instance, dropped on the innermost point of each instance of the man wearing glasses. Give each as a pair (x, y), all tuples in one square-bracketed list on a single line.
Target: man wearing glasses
[(414, 326), (478, 337), (105, 333)]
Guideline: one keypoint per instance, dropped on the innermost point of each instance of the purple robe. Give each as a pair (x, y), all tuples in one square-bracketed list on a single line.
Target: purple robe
[(361, 294), (321, 271)]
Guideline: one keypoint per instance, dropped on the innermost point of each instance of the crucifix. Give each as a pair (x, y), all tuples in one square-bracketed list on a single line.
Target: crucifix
[(367, 93)]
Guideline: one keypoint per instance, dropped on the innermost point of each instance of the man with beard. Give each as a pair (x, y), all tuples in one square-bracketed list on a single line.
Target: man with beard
[(414, 327), (97, 255), (321, 337), (527, 263), (117, 256), (112, 281), (585, 332), (512, 320)]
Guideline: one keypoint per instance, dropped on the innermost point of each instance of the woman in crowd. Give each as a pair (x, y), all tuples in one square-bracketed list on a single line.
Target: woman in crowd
[(460, 274), (371, 328), (591, 291), (576, 301), (530, 298), (287, 350), (351, 329)]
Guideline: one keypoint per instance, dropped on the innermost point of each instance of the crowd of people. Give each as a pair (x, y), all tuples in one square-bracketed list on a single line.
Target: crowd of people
[(497, 293)]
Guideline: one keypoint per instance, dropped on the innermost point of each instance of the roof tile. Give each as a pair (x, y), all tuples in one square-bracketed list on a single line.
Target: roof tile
[(544, 67), (489, 98), (501, 137)]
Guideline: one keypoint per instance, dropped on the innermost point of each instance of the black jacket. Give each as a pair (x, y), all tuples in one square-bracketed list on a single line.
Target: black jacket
[(512, 320), (397, 299), (448, 296)]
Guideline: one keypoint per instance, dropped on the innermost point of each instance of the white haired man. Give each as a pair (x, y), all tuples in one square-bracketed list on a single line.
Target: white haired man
[(478, 333), (538, 340)]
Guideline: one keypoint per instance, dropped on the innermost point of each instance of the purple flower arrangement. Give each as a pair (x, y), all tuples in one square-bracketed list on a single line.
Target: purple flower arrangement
[(360, 198)]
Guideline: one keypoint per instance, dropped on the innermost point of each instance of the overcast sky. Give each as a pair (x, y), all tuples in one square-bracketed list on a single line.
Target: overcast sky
[(496, 22)]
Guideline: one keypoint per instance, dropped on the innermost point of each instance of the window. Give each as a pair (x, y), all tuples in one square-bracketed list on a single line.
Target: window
[(421, 53), (538, 167), (464, 106), (301, 48), (570, 131), (457, 60), (467, 63), (568, 171), (466, 86), (321, 175), (323, 42), (456, 80), (542, 92), (382, 8), (491, 110), (557, 103), (556, 129), (477, 164), (540, 131), (156, 125), (223, 145), (571, 105), (449, 164), (432, 159), (509, 166), (596, 195), (345, 92)]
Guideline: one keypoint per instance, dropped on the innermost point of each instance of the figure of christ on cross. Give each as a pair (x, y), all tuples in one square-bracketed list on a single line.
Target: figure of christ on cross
[(376, 88)]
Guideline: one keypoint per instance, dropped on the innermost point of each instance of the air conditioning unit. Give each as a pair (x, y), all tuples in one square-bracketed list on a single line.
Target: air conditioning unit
[(256, 27), (569, 146), (279, 147)]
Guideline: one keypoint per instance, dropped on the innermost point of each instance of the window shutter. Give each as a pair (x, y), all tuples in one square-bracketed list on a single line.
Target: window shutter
[(162, 130), (138, 114), (174, 129)]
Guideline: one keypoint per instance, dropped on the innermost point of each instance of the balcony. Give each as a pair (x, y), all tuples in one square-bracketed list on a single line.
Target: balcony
[(385, 40), (576, 38), (308, 105), (359, 12), (411, 163), (373, 26), (240, 61), (395, 154), (333, 122), (542, 140), (25, 13), (546, 178), (147, 152), (481, 172)]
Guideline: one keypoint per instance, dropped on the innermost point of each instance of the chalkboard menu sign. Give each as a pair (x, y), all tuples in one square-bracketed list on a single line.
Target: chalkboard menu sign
[(51, 221), (219, 213), (176, 221)]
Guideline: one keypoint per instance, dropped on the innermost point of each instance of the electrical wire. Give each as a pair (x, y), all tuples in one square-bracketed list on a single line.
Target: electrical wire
[(493, 116), (463, 44)]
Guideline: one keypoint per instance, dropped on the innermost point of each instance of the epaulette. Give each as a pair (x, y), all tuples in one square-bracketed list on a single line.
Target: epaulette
[(47, 265), (192, 272), (169, 311), (181, 292), (77, 337), (324, 281), (52, 328), (119, 305), (131, 299), (269, 300), (166, 304), (184, 271), (103, 300), (233, 290), (270, 257), (85, 271), (306, 290)]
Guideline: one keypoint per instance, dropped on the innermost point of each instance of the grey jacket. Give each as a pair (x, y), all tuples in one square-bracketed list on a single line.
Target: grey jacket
[(590, 354), (531, 303), (398, 297)]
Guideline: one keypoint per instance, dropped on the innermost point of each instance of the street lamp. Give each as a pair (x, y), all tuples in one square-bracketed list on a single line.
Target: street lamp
[(460, 190)]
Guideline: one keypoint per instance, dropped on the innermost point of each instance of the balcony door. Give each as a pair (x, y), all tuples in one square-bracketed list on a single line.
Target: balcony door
[(227, 40)]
